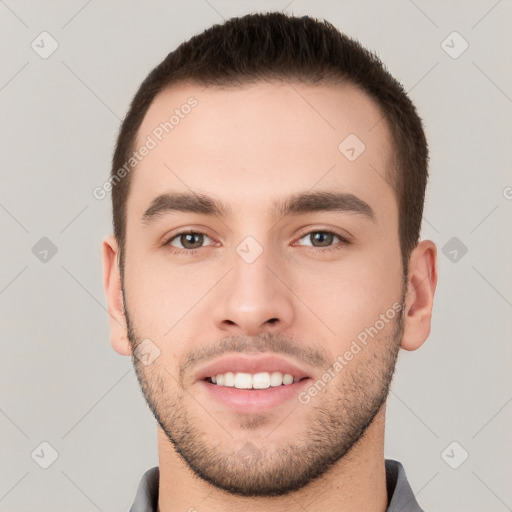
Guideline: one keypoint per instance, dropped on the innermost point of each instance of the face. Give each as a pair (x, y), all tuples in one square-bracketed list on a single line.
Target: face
[(267, 290)]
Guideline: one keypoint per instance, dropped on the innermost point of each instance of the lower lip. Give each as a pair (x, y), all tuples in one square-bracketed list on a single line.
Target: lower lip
[(254, 400)]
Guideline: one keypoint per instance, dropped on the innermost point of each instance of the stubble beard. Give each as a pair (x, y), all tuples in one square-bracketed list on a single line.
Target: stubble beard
[(338, 418)]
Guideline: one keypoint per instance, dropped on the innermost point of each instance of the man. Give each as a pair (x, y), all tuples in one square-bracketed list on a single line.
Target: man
[(265, 269)]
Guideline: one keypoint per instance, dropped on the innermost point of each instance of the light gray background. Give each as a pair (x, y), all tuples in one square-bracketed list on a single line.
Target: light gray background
[(60, 380)]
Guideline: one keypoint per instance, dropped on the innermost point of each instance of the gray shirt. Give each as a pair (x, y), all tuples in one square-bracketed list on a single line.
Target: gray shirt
[(400, 495)]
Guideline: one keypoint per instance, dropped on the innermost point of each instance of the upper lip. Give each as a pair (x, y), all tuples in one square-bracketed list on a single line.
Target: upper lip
[(238, 363)]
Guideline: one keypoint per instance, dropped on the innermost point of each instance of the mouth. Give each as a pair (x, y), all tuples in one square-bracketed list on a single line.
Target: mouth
[(252, 384), (262, 380)]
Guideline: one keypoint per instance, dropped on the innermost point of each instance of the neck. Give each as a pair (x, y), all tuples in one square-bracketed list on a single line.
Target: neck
[(356, 482)]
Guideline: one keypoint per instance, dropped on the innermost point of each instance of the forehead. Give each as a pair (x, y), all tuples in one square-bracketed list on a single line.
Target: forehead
[(249, 145)]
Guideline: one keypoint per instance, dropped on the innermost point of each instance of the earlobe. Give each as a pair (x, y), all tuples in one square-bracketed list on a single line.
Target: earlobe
[(419, 299), (113, 291)]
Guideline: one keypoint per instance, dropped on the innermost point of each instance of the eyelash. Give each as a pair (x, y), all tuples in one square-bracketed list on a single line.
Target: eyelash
[(191, 252)]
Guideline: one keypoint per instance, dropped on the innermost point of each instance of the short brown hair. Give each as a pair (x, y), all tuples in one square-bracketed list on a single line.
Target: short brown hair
[(275, 46)]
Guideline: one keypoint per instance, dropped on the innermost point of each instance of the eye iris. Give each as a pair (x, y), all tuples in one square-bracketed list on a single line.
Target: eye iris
[(322, 237), (187, 237)]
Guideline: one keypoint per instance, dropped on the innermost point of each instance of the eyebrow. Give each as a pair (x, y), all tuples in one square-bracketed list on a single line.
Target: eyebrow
[(297, 204)]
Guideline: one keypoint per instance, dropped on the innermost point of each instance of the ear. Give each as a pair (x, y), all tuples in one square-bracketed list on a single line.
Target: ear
[(112, 284), (421, 286)]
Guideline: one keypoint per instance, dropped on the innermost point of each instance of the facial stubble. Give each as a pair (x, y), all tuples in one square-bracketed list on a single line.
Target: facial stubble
[(338, 419)]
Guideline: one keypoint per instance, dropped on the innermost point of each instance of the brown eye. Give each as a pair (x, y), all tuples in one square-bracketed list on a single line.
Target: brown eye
[(323, 238), (188, 241)]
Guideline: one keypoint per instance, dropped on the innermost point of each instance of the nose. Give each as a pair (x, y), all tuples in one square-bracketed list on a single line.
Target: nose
[(253, 298)]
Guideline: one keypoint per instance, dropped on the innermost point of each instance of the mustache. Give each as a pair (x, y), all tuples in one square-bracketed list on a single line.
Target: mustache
[(266, 343)]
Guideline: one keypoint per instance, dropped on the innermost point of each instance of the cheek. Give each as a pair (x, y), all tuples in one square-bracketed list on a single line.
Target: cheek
[(160, 295), (350, 295), (168, 303)]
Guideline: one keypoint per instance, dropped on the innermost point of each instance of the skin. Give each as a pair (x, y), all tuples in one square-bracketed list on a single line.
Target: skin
[(247, 147)]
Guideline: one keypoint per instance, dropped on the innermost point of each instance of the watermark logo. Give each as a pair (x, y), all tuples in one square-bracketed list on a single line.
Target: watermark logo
[(44, 45), (44, 250), (351, 147), (249, 249), (454, 45), (146, 352), (44, 455), (249, 455), (343, 360), (454, 249), (157, 135), (454, 455)]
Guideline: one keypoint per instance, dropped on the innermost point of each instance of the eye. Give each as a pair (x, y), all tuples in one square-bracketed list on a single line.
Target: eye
[(188, 241), (324, 239)]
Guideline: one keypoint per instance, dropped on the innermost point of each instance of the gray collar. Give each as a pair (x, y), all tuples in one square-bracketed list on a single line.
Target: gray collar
[(399, 491)]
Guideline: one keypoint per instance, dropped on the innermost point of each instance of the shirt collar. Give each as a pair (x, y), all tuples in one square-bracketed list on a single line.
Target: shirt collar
[(400, 495)]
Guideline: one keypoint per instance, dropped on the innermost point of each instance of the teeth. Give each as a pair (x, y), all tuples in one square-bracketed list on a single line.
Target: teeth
[(243, 381), (229, 379), (287, 379), (261, 380), (276, 379)]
